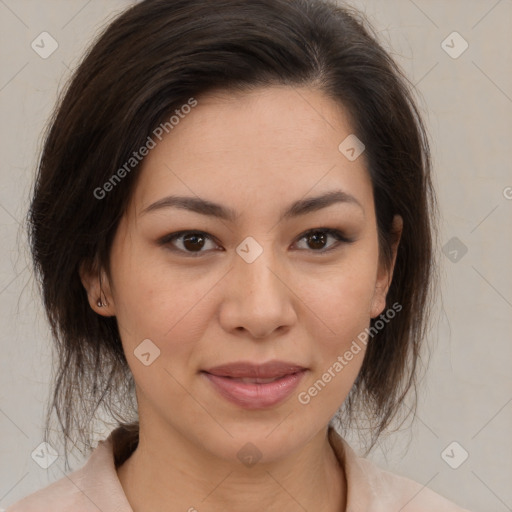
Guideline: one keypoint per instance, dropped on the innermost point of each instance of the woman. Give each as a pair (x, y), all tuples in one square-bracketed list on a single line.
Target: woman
[(233, 222)]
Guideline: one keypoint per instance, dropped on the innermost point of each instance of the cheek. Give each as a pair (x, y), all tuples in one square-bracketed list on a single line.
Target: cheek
[(341, 298), (341, 295), (172, 314), (337, 332), (153, 301)]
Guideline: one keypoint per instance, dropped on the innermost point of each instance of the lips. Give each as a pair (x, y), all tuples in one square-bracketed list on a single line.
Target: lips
[(255, 386), (258, 373)]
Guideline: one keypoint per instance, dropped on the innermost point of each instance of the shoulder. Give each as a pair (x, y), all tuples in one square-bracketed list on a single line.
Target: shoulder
[(95, 486), (400, 493), (372, 488), (61, 495)]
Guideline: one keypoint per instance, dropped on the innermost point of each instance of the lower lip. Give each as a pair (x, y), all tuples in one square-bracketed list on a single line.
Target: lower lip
[(255, 396)]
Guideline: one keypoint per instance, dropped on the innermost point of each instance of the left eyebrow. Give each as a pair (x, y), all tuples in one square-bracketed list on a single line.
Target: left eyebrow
[(209, 208)]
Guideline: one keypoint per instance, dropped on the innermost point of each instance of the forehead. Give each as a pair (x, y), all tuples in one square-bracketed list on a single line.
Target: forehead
[(272, 144)]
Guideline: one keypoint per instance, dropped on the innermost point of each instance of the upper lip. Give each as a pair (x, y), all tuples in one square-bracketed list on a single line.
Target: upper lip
[(268, 370)]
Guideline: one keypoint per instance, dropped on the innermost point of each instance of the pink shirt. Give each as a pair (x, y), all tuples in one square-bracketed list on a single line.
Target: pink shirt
[(95, 487)]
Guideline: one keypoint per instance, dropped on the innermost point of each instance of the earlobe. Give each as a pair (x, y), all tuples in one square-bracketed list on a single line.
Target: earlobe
[(385, 275), (378, 302), (97, 286)]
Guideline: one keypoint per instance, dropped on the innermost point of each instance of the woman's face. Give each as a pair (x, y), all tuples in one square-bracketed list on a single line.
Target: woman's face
[(255, 286)]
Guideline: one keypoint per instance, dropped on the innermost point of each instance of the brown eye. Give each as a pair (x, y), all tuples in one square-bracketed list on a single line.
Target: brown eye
[(317, 239), (191, 243)]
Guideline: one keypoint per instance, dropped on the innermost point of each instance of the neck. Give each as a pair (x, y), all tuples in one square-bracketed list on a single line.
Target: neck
[(174, 476)]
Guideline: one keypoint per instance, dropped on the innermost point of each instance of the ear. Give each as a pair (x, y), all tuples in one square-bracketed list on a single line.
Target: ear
[(384, 274), (97, 286)]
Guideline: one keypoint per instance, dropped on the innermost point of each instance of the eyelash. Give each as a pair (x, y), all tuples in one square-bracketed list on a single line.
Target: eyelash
[(338, 235)]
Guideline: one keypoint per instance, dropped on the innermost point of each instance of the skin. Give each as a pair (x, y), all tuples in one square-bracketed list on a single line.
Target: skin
[(256, 153)]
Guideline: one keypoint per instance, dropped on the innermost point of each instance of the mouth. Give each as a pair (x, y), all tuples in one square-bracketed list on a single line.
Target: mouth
[(255, 392)]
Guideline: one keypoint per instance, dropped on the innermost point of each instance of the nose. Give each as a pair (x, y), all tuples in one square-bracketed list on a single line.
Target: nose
[(257, 298)]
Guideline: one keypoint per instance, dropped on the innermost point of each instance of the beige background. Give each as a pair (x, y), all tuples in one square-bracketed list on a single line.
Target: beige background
[(467, 392)]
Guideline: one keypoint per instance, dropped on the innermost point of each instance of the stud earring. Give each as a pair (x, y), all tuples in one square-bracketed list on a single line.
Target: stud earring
[(99, 303)]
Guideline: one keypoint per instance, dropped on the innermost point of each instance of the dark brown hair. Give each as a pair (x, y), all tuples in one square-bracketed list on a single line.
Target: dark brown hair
[(146, 64)]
